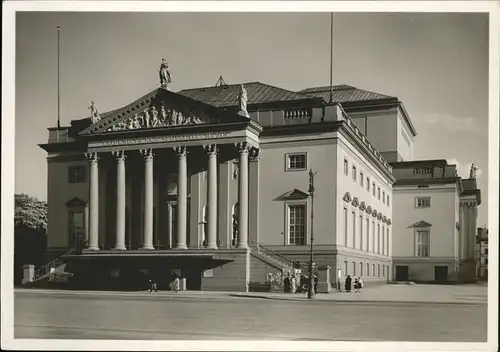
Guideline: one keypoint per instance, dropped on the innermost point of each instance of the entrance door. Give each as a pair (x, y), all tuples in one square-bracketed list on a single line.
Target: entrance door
[(402, 273), (440, 273)]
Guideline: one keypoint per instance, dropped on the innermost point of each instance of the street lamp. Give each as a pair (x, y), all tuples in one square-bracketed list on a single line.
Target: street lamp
[(310, 290)]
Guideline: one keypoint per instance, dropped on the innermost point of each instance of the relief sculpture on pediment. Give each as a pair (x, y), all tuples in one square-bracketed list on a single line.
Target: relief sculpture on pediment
[(162, 116)]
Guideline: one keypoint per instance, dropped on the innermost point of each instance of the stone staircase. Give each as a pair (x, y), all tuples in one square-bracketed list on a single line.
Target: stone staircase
[(273, 258), (42, 274)]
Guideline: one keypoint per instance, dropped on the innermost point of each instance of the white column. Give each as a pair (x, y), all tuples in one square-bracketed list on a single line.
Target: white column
[(181, 197), (473, 231), (120, 200), (463, 231), (243, 195), (148, 198), (211, 151), (94, 201)]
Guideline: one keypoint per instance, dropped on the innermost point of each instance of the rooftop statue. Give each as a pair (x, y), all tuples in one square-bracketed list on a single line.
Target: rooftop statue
[(165, 76), (473, 170), (243, 99), (94, 113)]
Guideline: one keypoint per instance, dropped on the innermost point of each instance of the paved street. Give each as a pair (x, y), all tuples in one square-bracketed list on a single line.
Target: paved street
[(87, 315)]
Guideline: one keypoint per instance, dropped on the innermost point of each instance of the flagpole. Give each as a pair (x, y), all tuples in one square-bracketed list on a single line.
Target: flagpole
[(331, 57), (58, 81)]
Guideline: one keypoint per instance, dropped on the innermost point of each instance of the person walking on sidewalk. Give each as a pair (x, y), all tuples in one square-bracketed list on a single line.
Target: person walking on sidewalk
[(348, 283), (177, 284), (152, 286), (356, 285), (293, 285)]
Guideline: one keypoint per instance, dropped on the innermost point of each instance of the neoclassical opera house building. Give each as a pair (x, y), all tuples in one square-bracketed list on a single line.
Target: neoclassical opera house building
[(212, 184)]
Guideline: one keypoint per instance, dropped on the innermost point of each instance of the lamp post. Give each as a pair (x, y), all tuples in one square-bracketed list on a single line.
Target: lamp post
[(310, 290)]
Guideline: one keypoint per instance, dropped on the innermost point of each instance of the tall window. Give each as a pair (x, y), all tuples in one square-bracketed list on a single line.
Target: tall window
[(361, 179), (423, 238), (383, 240), (373, 188), (346, 167), (361, 269), (387, 242), (367, 234), (346, 235), (354, 173), (423, 202), (373, 238), (378, 238), (361, 232), (345, 267), (296, 161), (373, 269), (354, 268), (297, 224), (77, 174), (353, 230), (383, 197), (367, 269), (388, 202), (367, 183), (76, 227), (378, 270), (378, 193), (383, 270)]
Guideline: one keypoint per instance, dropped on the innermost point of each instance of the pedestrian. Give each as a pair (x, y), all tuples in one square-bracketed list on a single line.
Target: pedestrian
[(316, 283), (286, 283), (152, 286), (293, 282), (348, 282), (360, 284), (356, 285), (177, 284)]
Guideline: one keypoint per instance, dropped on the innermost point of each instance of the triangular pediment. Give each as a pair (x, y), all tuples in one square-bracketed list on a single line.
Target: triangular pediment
[(76, 203), (421, 223), (160, 109), (347, 197), (294, 194)]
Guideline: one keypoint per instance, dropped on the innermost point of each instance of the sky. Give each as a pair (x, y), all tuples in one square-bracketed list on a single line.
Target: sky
[(437, 64)]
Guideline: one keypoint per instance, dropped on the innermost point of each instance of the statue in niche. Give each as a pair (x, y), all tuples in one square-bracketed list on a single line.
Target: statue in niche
[(235, 227), (473, 171), (243, 99), (154, 116), (180, 118), (165, 76), (94, 113)]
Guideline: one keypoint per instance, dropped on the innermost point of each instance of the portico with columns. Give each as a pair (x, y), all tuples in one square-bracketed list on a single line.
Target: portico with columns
[(162, 153)]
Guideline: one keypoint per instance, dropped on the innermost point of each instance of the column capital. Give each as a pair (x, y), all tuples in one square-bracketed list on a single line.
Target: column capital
[(211, 149), (92, 157), (242, 147), (119, 155), (181, 151), (147, 153), (254, 154)]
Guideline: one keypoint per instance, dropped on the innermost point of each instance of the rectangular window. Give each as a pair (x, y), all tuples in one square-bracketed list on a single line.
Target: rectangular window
[(387, 242), (388, 202), (378, 270), (383, 197), (361, 179), (486, 251), (346, 235), (361, 232), (367, 235), (383, 240), (383, 270), (423, 237), (373, 237), (423, 202), (296, 161), (354, 268), (346, 167), (77, 174), (373, 270), (378, 193), (360, 269), (354, 173), (373, 188), (353, 230), (378, 238), (297, 224), (367, 183), (345, 267), (367, 269)]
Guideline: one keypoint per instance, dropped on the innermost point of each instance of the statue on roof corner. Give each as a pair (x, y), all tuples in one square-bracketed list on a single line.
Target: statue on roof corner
[(165, 76), (94, 113), (243, 99), (473, 170)]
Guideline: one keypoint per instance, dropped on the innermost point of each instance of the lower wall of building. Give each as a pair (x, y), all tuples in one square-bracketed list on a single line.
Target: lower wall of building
[(425, 271), (228, 277)]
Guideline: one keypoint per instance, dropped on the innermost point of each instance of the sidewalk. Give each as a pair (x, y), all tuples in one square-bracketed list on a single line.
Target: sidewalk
[(456, 294)]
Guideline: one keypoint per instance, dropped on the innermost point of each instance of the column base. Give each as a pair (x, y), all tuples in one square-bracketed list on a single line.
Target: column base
[(212, 246), (119, 248), (242, 246), (181, 246), (147, 248), (93, 248)]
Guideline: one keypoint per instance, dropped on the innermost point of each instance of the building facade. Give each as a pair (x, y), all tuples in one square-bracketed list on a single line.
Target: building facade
[(482, 253), (436, 211)]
